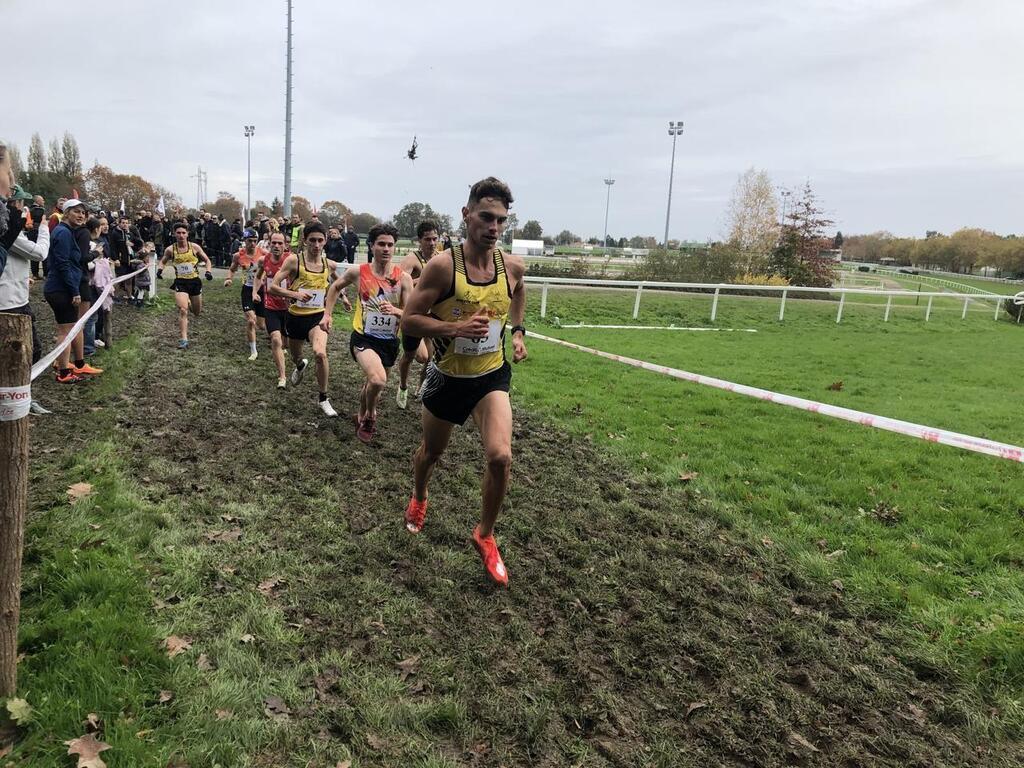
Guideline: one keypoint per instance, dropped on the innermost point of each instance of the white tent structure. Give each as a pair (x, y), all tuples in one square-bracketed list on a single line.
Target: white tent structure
[(528, 247)]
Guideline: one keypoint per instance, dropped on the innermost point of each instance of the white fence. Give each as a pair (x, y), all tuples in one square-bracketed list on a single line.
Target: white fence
[(715, 290)]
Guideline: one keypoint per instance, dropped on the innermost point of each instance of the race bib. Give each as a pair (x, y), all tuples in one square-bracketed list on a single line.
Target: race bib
[(316, 301), (184, 269), (381, 325), (487, 345)]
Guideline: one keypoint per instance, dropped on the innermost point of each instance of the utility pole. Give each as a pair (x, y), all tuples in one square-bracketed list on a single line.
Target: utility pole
[(674, 130), (288, 122), (607, 203), (249, 131)]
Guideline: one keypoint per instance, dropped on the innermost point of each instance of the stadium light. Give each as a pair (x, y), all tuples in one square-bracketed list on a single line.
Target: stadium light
[(607, 202), (249, 131), (674, 130)]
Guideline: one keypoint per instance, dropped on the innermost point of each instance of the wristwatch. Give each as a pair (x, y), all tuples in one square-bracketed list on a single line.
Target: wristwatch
[(520, 328)]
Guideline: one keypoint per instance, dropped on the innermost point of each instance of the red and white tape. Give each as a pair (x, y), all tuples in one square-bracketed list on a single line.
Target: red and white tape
[(931, 434)]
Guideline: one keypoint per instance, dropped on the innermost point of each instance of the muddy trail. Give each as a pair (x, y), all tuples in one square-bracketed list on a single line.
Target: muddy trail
[(637, 630)]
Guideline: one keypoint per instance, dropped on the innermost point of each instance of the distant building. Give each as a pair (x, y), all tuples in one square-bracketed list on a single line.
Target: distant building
[(528, 247)]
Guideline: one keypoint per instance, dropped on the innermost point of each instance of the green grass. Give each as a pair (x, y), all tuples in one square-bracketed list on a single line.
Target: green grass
[(932, 535)]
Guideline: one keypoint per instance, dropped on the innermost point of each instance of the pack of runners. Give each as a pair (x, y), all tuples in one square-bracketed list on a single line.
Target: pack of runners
[(449, 310)]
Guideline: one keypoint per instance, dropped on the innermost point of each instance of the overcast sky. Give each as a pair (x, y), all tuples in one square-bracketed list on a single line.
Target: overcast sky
[(905, 115)]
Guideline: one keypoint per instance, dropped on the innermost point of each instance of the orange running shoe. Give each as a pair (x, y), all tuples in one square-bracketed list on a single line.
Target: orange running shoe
[(488, 549), (415, 514), (86, 370), (68, 378)]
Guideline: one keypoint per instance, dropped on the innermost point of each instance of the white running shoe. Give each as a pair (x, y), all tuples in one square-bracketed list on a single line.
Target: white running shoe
[(325, 406), (282, 383), (99, 343), (36, 409), (402, 398), (253, 356), (299, 370)]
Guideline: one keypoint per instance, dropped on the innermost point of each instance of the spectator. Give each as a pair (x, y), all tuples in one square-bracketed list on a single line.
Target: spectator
[(87, 237), (294, 234), (62, 285), (142, 281), (36, 218), (14, 296), (225, 239), (351, 243), (58, 213), (335, 249), (211, 238), (121, 248), (146, 225), (102, 276)]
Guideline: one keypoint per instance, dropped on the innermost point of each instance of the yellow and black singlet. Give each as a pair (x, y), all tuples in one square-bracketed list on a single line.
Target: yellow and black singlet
[(314, 282), (368, 318), (186, 263), (456, 356)]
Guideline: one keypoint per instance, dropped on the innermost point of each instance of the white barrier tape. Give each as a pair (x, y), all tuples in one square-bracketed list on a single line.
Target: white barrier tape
[(931, 434), (14, 402), (1018, 298), (53, 354), (659, 328)]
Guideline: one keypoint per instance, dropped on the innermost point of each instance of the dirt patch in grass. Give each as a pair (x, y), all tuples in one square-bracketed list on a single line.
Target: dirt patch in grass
[(638, 629)]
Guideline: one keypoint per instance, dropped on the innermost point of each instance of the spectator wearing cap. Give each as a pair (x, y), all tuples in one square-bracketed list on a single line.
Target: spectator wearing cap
[(61, 290)]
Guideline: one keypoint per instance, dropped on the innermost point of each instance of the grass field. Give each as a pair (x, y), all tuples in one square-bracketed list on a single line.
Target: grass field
[(817, 594)]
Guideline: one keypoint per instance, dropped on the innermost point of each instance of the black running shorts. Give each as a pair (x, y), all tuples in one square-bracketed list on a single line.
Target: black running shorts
[(64, 311), (453, 398), (193, 286), (276, 320), (299, 326), (410, 343), (386, 349)]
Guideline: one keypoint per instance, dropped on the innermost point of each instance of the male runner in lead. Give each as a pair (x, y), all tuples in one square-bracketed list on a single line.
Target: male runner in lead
[(187, 287), (413, 348), (464, 300)]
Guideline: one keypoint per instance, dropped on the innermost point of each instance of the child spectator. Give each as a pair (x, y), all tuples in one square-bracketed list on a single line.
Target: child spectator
[(102, 276), (142, 281)]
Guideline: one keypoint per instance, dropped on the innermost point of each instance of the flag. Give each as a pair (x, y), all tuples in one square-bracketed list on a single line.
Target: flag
[(122, 205), (160, 207)]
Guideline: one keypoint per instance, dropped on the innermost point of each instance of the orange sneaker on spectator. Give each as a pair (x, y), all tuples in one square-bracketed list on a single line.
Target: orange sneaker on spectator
[(86, 370)]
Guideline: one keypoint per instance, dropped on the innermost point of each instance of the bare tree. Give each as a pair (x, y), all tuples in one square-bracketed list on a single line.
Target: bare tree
[(753, 220)]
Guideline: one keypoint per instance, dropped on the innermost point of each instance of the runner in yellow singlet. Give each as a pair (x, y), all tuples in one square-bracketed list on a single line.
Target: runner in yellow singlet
[(308, 276), (464, 300), (413, 348), (382, 289), (187, 287)]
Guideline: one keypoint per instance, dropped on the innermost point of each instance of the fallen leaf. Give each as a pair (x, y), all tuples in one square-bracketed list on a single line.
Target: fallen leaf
[(20, 710), (95, 526), (176, 645), (268, 586), (686, 477), (79, 491), (834, 555), (229, 518), (693, 707), (224, 714), (376, 742), (165, 696), (767, 542), (88, 749), (5, 751), (837, 584), (836, 386), (233, 534), (409, 666), (796, 739), (274, 707), (246, 638), (204, 663), (343, 764)]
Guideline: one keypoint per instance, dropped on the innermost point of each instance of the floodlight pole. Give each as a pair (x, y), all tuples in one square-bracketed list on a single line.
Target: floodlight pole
[(288, 122), (674, 130), (607, 203), (249, 131)]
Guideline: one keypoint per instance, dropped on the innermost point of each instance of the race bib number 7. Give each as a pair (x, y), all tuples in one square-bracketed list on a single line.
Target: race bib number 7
[(316, 301), (484, 346)]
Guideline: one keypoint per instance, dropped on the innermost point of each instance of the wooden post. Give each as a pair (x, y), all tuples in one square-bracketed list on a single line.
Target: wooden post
[(15, 372)]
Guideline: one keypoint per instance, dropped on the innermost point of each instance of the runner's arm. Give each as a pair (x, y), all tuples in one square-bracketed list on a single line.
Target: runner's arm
[(231, 270), (257, 282), (339, 285), (517, 308), (435, 280), (288, 269), (202, 255)]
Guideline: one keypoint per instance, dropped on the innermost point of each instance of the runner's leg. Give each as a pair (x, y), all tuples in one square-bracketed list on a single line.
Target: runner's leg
[(181, 300), (277, 351), (376, 379), (436, 433), (318, 340), (493, 417)]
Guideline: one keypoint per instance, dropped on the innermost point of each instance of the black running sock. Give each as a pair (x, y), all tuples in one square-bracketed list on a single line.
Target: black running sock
[(323, 396), (79, 363), (65, 372)]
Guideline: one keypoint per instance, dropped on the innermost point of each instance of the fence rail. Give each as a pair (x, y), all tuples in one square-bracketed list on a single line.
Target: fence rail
[(716, 289)]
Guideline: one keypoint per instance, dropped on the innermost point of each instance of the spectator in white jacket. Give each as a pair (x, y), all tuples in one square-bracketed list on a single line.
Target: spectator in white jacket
[(14, 280)]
